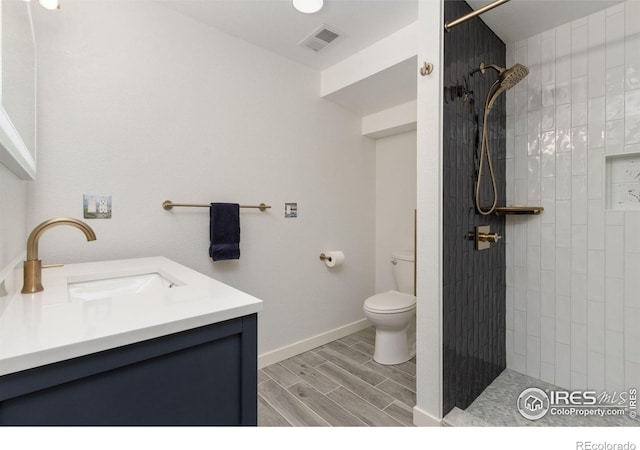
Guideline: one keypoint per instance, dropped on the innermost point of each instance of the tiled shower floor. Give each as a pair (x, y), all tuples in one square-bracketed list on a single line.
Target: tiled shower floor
[(496, 406)]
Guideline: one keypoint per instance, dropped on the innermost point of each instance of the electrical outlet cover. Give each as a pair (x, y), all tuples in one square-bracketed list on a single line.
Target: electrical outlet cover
[(97, 206)]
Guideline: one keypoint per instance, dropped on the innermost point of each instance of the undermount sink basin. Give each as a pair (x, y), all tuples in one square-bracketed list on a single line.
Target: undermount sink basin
[(119, 286)]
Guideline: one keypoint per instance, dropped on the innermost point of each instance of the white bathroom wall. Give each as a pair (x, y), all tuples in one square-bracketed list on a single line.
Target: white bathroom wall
[(144, 104), (395, 202), (573, 303)]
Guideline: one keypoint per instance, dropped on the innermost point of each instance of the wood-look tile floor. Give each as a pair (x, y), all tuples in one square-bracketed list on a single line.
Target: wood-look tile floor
[(338, 384)]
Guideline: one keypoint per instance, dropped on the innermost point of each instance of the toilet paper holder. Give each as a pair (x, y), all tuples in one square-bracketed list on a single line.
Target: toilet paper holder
[(332, 258), (324, 257)]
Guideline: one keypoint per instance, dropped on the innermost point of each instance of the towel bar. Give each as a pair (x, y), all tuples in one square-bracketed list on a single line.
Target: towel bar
[(168, 205)]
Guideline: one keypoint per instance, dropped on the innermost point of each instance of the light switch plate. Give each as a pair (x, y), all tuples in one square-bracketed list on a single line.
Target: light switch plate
[(97, 206), (290, 210)]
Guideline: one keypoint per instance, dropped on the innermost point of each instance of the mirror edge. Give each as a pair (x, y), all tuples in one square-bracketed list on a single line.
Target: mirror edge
[(13, 151), (14, 154)]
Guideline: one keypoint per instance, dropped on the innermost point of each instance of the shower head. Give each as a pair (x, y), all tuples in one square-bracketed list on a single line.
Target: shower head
[(507, 78), (510, 77)]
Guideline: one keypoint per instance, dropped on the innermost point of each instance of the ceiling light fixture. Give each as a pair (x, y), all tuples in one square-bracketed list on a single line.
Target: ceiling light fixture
[(50, 4), (308, 6)]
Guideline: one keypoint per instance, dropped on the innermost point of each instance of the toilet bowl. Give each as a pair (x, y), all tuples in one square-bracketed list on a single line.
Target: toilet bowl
[(393, 313)]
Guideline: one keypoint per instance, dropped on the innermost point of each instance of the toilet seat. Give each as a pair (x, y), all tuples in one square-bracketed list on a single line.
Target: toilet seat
[(390, 302)]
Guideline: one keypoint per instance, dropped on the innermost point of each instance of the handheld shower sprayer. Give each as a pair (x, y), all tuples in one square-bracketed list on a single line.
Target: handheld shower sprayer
[(507, 78)]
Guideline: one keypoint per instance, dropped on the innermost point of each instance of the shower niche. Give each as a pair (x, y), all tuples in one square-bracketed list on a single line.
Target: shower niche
[(622, 181)]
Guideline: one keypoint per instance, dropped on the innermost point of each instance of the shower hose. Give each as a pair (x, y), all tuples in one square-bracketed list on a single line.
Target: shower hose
[(484, 150)]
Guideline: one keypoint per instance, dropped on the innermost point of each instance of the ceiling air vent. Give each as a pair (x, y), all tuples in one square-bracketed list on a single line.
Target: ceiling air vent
[(320, 38)]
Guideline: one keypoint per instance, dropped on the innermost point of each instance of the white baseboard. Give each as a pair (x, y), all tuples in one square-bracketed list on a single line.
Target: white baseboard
[(280, 354), (423, 419)]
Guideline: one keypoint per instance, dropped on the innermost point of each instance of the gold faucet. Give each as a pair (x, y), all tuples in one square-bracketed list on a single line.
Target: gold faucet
[(33, 266)]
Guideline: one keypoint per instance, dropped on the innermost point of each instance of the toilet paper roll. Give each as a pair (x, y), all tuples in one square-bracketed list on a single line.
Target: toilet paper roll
[(334, 258)]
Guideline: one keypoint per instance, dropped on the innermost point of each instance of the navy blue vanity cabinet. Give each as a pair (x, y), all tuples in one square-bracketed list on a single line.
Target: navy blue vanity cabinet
[(202, 376)]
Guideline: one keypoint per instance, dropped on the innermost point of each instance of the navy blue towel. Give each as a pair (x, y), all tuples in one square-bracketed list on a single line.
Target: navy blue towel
[(224, 231)]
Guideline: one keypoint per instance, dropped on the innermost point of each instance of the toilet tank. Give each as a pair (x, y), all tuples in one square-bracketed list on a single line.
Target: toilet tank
[(402, 266)]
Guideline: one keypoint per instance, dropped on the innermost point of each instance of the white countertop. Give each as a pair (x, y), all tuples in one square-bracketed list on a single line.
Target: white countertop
[(47, 327)]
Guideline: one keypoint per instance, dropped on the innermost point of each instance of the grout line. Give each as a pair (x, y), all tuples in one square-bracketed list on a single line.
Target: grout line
[(401, 405), (329, 399), (404, 371), (378, 384), (275, 409), (299, 401), (363, 399), (355, 393), (334, 389)]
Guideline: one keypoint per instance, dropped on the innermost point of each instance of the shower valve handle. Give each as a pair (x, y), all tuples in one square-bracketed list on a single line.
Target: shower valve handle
[(489, 237), (483, 237)]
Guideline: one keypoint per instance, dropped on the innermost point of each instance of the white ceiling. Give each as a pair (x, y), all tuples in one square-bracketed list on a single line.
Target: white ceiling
[(520, 19), (276, 26)]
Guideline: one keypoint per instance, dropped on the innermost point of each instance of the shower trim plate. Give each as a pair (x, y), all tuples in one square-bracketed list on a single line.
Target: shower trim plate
[(483, 237)]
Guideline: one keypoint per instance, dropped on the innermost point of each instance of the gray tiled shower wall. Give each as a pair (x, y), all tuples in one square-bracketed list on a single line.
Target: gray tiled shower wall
[(473, 281)]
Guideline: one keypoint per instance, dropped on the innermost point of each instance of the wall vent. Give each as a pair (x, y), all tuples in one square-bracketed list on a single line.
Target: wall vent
[(320, 38)]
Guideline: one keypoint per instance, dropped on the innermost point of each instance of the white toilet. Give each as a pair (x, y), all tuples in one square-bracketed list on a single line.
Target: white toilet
[(393, 314)]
